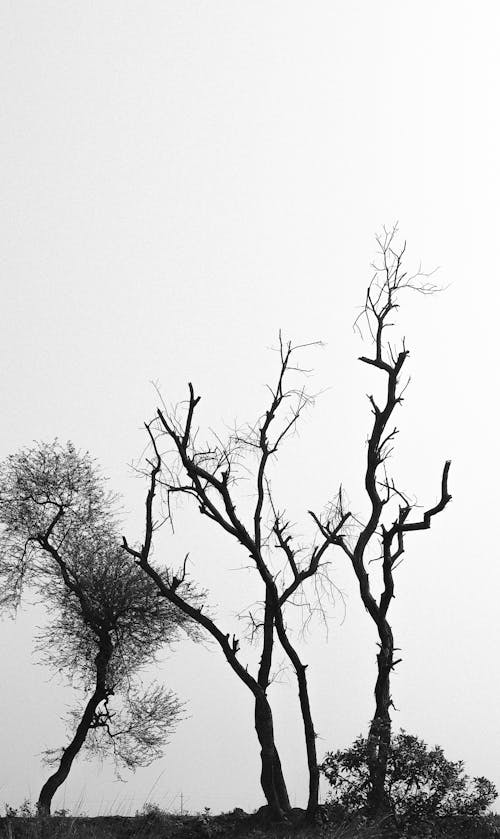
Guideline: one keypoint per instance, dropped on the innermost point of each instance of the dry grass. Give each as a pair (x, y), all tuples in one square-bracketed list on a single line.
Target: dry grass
[(156, 824)]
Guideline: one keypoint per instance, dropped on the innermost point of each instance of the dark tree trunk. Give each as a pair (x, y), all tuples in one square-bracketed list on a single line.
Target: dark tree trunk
[(305, 707), (263, 720), (279, 783), (53, 783), (271, 774), (310, 735), (379, 736), (271, 778)]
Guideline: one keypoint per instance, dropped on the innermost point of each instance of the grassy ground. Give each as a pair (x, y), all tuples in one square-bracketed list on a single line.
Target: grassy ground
[(158, 825)]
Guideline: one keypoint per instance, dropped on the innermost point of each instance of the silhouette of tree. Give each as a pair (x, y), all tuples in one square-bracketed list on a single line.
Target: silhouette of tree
[(106, 621), (422, 785), (391, 515), (210, 474)]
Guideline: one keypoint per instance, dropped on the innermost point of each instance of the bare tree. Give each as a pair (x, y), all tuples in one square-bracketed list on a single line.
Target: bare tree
[(382, 536), (210, 474), (59, 539)]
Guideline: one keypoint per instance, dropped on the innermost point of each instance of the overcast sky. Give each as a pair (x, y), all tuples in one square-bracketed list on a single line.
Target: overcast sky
[(180, 180)]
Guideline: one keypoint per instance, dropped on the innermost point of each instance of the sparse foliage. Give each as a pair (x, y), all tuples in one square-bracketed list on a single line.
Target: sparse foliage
[(210, 473), (391, 514), (106, 622)]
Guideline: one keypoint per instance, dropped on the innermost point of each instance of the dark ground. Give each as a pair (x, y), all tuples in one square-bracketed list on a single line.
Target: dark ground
[(238, 824)]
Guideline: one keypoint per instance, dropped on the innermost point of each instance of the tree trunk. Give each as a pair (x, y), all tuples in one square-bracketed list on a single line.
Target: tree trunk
[(263, 713), (379, 736), (53, 783), (271, 774), (271, 777), (305, 707), (310, 735), (279, 782)]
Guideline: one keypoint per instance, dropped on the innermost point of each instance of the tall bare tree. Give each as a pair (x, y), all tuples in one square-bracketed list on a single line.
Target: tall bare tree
[(210, 474), (106, 621), (391, 515)]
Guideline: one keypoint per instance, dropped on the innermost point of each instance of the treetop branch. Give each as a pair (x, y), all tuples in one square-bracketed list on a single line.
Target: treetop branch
[(425, 522)]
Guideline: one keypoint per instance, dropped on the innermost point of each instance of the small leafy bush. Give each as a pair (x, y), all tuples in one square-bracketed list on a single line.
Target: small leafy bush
[(24, 811), (423, 786), (150, 810)]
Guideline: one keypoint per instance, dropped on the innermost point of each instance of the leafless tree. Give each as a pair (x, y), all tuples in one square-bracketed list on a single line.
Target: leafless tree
[(210, 474), (106, 621), (392, 515)]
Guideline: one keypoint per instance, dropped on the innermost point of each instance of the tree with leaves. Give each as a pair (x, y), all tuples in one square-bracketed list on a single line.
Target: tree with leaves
[(210, 474), (423, 786), (391, 513), (59, 539)]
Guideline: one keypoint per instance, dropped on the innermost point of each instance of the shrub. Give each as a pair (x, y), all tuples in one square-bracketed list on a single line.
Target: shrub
[(24, 811), (421, 783)]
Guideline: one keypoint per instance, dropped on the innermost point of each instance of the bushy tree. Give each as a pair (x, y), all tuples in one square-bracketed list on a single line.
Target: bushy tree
[(422, 784), (106, 622), (132, 721)]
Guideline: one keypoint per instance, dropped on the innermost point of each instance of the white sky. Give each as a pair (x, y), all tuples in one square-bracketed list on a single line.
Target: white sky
[(179, 181)]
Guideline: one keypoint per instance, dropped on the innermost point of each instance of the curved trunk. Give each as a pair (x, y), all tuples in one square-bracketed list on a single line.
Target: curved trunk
[(305, 707), (271, 775), (379, 736), (275, 779), (279, 783), (310, 736), (53, 783), (271, 778)]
